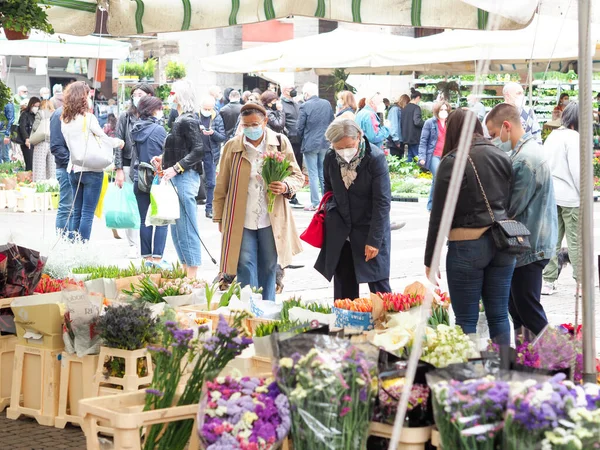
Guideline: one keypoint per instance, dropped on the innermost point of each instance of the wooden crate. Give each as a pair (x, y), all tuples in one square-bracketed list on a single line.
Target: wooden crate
[(200, 312), (255, 321), (7, 354), (411, 439), (435, 439), (36, 375), (76, 375), (124, 414), (130, 382)]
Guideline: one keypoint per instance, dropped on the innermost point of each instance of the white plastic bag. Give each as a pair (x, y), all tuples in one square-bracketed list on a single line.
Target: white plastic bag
[(304, 315), (164, 204)]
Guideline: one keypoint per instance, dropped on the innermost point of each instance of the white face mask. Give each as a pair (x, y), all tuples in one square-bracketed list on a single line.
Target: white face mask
[(347, 153), (45, 96), (35, 109), (159, 114), (136, 101), (443, 114), (519, 101), (206, 112)]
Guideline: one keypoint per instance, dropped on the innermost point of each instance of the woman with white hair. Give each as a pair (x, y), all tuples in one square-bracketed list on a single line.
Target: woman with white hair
[(182, 164), (357, 221), (562, 150)]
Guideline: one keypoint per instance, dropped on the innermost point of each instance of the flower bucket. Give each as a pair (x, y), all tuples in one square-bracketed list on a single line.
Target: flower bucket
[(263, 347), (9, 183), (411, 438), (55, 199)]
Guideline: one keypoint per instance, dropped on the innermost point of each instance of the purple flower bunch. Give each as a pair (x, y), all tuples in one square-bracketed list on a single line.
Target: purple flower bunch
[(243, 413), (389, 395), (538, 408), (469, 414)]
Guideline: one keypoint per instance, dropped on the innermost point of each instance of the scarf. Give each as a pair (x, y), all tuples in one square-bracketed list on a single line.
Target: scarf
[(348, 170)]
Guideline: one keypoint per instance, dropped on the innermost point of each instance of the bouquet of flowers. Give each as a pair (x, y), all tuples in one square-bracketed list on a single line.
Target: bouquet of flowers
[(390, 391), (447, 345), (243, 413), (275, 168), (24, 269), (48, 284), (329, 384), (400, 302), (581, 432), (469, 414), (148, 291)]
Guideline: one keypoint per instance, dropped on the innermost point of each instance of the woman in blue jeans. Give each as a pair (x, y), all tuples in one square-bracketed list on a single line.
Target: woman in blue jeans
[(475, 268), (149, 137), (182, 165), (78, 127)]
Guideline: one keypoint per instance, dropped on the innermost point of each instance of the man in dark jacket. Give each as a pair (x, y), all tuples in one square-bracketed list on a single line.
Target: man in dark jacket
[(230, 113), (291, 110), (213, 134), (9, 113), (58, 147), (412, 124), (315, 116)]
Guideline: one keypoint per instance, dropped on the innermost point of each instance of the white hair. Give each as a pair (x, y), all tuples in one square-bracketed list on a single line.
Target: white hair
[(21, 88), (57, 89), (185, 95), (341, 128), (311, 89), (234, 95), (43, 91), (510, 87)]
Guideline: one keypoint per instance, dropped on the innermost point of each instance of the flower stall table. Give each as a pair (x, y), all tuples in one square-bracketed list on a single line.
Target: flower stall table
[(130, 381), (412, 438), (7, 351)]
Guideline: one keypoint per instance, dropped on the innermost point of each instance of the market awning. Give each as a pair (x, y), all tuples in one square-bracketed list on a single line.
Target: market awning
[(60, 45), (126, 17)]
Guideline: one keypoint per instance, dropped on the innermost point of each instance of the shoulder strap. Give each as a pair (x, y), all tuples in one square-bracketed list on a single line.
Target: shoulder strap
[(278, 142), (487, 203)]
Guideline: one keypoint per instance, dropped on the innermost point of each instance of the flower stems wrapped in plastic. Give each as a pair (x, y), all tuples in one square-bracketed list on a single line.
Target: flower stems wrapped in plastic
[(275, 168)]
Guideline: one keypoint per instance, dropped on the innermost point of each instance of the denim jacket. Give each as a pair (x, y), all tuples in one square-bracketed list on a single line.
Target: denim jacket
[(532, 201)]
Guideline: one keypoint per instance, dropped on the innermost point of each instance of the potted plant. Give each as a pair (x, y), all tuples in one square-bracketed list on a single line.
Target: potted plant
[(175, 71), (149, 68), (19, 17), (131, 71)]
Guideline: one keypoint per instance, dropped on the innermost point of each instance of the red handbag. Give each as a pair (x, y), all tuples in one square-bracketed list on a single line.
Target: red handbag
[(315, 232)]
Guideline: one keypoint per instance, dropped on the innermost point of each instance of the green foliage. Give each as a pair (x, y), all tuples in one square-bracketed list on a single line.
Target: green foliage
[(339, 83), (279, 326), (132, 69), (176, 271), (210, 291), (235, 288), (5, 98), (24, 16), (403, 167), (149, 67), (10, 168), (95, 272), (175, 70), (297, 302), (127, 327), (163, 91)]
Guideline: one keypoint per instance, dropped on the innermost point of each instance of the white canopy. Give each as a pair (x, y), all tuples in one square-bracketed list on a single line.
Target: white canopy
[(42, 45)]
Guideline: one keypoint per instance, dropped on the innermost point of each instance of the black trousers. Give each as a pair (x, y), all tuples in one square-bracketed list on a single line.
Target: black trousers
[(397, 151), (27, 156), (345, 284), (524, 304), (298, 153)]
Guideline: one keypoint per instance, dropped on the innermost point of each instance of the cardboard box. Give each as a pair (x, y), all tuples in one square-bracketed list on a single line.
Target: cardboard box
[(39, 319)]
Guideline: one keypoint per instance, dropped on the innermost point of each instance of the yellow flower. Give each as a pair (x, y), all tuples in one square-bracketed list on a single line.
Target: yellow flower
[(261, 389), (249, 418), (286, 362), (360, 381)]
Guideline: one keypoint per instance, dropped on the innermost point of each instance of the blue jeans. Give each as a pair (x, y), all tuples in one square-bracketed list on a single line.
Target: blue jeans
[(86, 193), (66, 198), (314, 164), (209, 178), (433, 167), (413, 152), (476, 270), (160, 233), (257, 265), (4, 151), (184, 231)]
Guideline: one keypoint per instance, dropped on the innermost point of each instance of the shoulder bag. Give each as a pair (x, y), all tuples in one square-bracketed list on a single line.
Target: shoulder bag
[(42, 132), (510, 236), (96, 155), (315, 232)]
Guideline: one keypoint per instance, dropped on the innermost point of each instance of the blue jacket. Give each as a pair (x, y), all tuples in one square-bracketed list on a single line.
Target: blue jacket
[(532, 201), (315, 116), (149, 137), (9, 112), (368, 121), (58, 145), (429, 137), (395, 118)]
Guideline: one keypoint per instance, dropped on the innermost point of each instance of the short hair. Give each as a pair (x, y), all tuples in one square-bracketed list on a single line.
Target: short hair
[(348, 99), (310, 88), (268, 97), (143, 87), (438, 105), (454, 127), (504, 112), (43, 91), (185, 95), (234, 95), (148, 105), (21, 88), (414, 94), (246, 94), (570, 116), (563, 95), (510, 86), (339, 129), (57, 89)]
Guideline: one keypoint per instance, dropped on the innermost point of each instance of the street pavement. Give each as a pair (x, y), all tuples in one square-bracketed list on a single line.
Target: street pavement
[(36, 230)]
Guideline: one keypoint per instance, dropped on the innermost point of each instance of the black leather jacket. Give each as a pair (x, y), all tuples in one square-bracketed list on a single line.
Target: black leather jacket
[(230, 114), (124, 127), (184, 144), (291, 110), (496, 174)]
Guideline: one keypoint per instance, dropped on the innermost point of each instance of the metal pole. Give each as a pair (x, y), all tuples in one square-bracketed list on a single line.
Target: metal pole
[(530, 76), (586, 208)]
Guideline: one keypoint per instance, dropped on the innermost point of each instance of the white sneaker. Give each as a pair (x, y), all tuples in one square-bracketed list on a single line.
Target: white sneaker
[(548, 288), (133, 253)]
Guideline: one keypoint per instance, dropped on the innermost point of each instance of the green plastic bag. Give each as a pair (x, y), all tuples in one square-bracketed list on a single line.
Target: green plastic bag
[(120, 207)]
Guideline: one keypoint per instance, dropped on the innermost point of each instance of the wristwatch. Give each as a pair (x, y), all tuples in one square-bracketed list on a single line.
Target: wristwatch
[(177, 167)]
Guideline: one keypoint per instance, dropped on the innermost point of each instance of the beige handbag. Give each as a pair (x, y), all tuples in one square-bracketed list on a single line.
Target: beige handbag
[(41, 133)]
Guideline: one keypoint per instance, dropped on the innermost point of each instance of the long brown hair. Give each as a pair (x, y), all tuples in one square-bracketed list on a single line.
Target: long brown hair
[(348, 100), (403, 100), (454, 127), (75, 101)]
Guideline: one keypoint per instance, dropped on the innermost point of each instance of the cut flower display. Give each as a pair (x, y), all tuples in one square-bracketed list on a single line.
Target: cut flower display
[(275, 168), (447, 345), (243, 413)]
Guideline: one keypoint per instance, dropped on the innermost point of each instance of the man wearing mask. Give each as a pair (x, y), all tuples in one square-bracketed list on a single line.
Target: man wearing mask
[(370, 123), (45, 93), (476, 106), (291, 109), (124, 156), (57, 96), (217, 93), (532, 203), (213, 134), (230, 113), (514, 95), (19, 99)]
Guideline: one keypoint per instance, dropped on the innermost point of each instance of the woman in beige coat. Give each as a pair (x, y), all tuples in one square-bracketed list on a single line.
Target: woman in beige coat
[(254, 240)]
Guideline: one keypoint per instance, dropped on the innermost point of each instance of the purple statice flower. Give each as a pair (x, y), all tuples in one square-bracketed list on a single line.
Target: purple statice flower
[(170, 324), (181, 338), (211, 344), (225, 442), (158, 349), (223, 328), (155, 392), (362, 395)]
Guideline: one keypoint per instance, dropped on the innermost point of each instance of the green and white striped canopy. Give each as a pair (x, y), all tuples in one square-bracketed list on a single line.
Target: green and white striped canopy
[(127, 17)]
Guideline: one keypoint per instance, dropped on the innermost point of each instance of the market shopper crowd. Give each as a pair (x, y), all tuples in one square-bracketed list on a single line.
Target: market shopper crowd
[(212, 150)]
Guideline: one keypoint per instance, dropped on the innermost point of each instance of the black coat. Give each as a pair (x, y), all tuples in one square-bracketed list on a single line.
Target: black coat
[(412, 124), (25, 125), (184, 144), (230, 114), (361, 213)]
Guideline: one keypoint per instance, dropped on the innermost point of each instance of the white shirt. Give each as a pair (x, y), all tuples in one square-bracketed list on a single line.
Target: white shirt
[(562, 150), (257, 216)]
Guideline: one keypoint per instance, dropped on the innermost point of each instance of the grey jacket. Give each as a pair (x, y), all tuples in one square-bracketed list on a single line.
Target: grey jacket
[(315, 116)]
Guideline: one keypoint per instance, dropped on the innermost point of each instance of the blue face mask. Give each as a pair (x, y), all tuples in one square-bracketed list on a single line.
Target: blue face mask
[(506, 147), (253, 133)]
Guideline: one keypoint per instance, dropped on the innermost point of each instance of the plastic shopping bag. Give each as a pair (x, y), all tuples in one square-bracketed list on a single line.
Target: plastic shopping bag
[(164, 204), (121, 209), (98, 212)]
